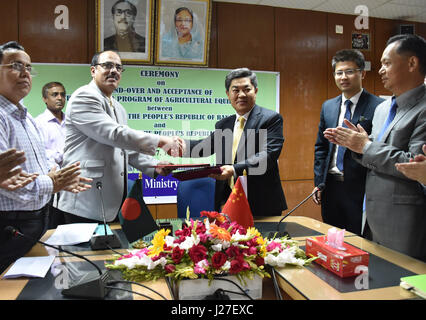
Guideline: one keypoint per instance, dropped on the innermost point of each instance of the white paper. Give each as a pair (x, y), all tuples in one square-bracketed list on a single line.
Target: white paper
[(36, 267), (74, 233)]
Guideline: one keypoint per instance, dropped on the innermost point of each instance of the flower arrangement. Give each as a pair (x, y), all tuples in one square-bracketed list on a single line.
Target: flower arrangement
[(206, 248)]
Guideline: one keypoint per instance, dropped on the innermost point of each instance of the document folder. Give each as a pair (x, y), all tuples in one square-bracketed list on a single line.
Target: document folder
[(195, 173), (416, 284)]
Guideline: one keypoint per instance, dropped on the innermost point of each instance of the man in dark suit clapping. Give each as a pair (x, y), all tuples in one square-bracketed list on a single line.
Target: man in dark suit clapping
[(341, 201)]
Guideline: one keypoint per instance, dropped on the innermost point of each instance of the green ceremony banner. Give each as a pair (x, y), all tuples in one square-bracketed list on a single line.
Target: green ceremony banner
[(185, 102)]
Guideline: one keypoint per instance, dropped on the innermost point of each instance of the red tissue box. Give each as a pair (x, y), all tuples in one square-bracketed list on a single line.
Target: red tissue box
[(341, 262)]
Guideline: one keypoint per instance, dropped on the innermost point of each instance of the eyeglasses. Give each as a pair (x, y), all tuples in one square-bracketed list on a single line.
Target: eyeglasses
[(109, 65), (55, 94), (128, 13), (349, 72), (20, 67), (184, 20)]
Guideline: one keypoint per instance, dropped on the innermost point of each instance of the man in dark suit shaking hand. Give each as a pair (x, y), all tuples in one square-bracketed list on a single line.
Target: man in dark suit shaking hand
[(341, 201), (250, 140)]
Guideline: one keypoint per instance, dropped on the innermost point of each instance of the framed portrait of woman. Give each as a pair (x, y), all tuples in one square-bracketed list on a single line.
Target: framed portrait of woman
[(126, 26), (183, 32)]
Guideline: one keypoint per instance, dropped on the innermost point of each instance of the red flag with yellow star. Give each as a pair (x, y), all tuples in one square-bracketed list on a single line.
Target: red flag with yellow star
[(237, 206)]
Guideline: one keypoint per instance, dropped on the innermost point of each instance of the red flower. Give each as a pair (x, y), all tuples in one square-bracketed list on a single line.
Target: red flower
[(169, 268), (177, 254), (238, 265), (185, 231), (197, 253), (213, 215), (179, 240), (236, 227), (210, 214), (201, 228), (233, 251), (251, 251), (260, 261), (218, 260)]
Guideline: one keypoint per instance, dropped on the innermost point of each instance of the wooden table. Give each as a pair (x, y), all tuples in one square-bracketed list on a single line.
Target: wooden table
[(385, 266), (295, 282)]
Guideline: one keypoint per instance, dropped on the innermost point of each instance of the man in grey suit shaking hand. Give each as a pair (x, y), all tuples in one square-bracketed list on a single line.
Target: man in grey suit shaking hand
[(97, 134), (395, 205)]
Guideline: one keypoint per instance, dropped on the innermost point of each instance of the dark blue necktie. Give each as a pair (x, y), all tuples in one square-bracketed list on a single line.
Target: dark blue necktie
[(391, 116), (341, 150)]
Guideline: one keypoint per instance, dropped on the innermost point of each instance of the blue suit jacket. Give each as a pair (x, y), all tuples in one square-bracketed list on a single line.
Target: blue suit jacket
[(363, 115)]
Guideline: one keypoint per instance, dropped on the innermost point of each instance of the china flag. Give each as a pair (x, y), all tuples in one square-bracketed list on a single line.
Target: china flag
[(237, 206)]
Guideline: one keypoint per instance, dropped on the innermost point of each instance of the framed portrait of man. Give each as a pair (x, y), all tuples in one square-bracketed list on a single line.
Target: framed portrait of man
[(183, 32), (126, 26)]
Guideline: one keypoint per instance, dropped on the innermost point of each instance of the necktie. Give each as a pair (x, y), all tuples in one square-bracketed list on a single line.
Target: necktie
[(341, 150), (237, 136), (391, 116)]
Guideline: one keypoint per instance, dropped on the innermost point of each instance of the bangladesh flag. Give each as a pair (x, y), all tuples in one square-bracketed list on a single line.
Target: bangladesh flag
[(135, 218)]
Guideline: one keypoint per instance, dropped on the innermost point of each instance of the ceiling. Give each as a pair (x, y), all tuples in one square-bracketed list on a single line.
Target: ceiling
[(409, 10)]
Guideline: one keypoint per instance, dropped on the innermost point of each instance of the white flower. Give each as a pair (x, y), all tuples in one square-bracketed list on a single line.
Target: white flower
[(207, 225), (287, 256), (129, 262), (203, 264), (189, 242), (226, 266), (153, 264), (217, 247), (237, 237), (271, 260), (169, 241)]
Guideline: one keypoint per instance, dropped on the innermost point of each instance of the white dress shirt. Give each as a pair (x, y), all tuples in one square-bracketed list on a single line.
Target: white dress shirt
[(354, 100), (53, 133)]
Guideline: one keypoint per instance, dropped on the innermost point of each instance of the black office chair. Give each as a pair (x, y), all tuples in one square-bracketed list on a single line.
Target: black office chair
[(198, 194)]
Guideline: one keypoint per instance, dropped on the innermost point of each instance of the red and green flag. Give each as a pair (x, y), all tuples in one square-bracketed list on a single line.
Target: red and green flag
[(135, 218)]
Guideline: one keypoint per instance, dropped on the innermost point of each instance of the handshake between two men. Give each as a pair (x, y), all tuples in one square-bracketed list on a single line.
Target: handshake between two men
[(69, 179)]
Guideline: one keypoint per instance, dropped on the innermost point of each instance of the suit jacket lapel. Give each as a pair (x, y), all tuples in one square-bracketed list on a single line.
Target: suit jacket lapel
[(228, 123), (334, 120), (402, 110), (106, 106), (252, 123), (360, 107), (335, 115)]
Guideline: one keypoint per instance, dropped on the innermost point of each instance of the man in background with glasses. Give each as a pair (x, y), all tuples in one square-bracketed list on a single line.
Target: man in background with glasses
[(125, 38), (51, 124), (26, 208), (342, 200), (98, 136)]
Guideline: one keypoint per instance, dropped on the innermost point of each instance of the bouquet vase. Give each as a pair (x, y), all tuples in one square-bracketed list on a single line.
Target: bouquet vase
[(199, 289)]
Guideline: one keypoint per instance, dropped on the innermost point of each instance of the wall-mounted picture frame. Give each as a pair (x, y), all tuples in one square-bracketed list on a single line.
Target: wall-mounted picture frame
[(126, 26), (182, 33), (360, 41)]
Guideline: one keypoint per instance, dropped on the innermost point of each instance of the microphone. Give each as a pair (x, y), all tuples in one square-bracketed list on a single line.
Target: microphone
[(104, 241), (92, 285), (320, 187)]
